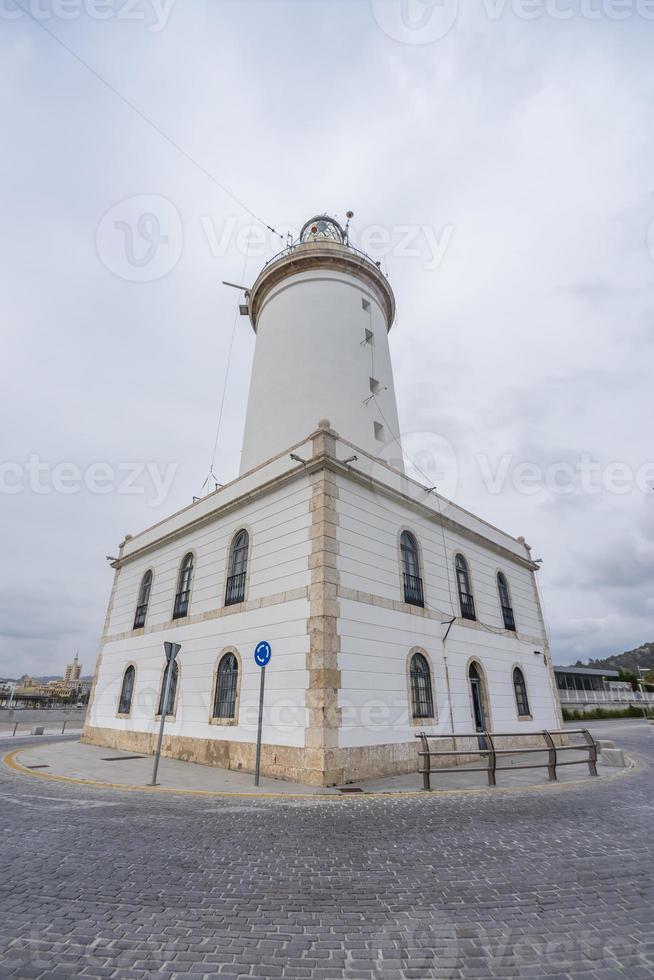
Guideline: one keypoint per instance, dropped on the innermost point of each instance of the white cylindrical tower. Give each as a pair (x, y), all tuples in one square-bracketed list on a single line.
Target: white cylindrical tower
[(321, 312)]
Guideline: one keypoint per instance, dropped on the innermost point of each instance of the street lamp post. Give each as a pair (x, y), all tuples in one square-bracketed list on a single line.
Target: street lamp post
[(171, 649), (644, 703)]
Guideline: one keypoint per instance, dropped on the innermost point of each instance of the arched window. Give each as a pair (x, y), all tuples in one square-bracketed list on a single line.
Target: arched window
[(520, 688), (466, 600), (143, 600), (183, 594), (505, 602), (237, 569), (412, 579), (422, 702), (224, 705), (127, 691), (172, 692)]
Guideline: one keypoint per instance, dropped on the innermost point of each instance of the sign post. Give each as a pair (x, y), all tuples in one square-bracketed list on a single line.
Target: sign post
[(262, 655), (171, 649)]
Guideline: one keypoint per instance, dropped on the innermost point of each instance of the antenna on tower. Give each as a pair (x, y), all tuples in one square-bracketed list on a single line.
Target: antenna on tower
[(349, 215)]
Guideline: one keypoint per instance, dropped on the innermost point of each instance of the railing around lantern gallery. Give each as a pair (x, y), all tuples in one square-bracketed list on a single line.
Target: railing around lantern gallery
[(487, 748), (413, 593), (235, 590)]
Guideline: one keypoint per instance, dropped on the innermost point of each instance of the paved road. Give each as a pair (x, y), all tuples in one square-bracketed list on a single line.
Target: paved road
[(552, 883)]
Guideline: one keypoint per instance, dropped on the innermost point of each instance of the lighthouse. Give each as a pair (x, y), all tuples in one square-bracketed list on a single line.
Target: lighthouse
[(321, 312), (388, 611)]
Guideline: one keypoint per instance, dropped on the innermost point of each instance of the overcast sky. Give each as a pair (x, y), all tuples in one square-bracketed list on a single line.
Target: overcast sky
[(503, 165)]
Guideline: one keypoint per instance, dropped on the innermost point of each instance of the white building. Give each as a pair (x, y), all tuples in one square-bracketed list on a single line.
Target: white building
[(389, 609)]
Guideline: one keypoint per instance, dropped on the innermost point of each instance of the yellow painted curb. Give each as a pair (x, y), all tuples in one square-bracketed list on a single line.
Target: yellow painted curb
[(10, 761)]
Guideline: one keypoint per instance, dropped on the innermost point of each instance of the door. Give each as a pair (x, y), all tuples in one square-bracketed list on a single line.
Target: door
[(478, 704)]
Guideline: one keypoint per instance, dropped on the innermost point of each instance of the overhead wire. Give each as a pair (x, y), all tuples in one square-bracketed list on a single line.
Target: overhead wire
[(146, 119), (226, 374)]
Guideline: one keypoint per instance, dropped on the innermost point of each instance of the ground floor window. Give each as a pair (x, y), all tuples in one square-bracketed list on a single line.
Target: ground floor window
[(226, 687), (422, 702)]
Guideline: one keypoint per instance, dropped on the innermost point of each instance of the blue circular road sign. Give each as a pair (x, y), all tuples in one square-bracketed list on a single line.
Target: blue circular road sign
[(262, 653)]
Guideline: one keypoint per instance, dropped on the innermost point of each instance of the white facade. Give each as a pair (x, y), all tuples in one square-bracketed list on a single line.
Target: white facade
[(323, 578)]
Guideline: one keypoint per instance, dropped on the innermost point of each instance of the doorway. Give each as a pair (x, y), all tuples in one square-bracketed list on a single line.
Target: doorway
[(478, 703)]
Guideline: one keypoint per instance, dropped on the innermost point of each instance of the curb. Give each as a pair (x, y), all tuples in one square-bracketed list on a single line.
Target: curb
[(10, 761)]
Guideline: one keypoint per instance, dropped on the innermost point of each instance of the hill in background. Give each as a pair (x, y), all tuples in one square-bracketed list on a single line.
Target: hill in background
[(642, 656)]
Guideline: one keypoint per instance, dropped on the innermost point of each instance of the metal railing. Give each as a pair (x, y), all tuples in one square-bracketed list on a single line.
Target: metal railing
[(492, 753), (235, 590), (181, 604), (298, 243), (567, 696), (139, 616), (508, 617), (467, 605), (413, 590), (20, 728)]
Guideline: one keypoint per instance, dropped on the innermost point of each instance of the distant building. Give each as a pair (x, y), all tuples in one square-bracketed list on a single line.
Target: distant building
[(583, 678), (587, 687), (73, 671)]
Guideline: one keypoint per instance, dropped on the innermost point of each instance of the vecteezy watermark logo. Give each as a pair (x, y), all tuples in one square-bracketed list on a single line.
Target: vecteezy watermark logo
[(566, 477), (415, 21), (429, 458), (140, 239), (426, 945), (424, 243), (42, 477), (154, 13)]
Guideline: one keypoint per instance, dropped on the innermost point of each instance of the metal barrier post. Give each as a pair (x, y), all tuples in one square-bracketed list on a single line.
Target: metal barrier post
[(63, 728), (551, 756), (426, 763), (592, 751), (492, 760), (15, 729)]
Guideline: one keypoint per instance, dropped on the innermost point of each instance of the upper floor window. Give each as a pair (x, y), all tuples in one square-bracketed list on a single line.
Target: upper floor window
[(505, 602), (412, 579), (422, 701), (143, 600), (237, 570), (466, 600), (127, 691), (224, 706), (172, 690), (183, 594), (520, 688)]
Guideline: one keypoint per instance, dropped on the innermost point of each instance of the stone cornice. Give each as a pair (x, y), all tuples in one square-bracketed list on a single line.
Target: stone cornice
[(321, 255), (314, 465)]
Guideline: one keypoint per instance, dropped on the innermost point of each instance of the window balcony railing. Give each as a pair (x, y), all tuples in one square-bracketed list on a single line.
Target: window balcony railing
[(507, 615), (235, 591), (181, 604), (139, 617), (467, 606), (413, 590)]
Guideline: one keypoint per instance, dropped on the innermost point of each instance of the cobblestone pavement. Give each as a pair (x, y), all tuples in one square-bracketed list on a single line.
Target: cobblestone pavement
[(548, 883)]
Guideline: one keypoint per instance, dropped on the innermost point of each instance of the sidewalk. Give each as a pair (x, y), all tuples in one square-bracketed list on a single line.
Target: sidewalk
[(24, 730), (115, 768)]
